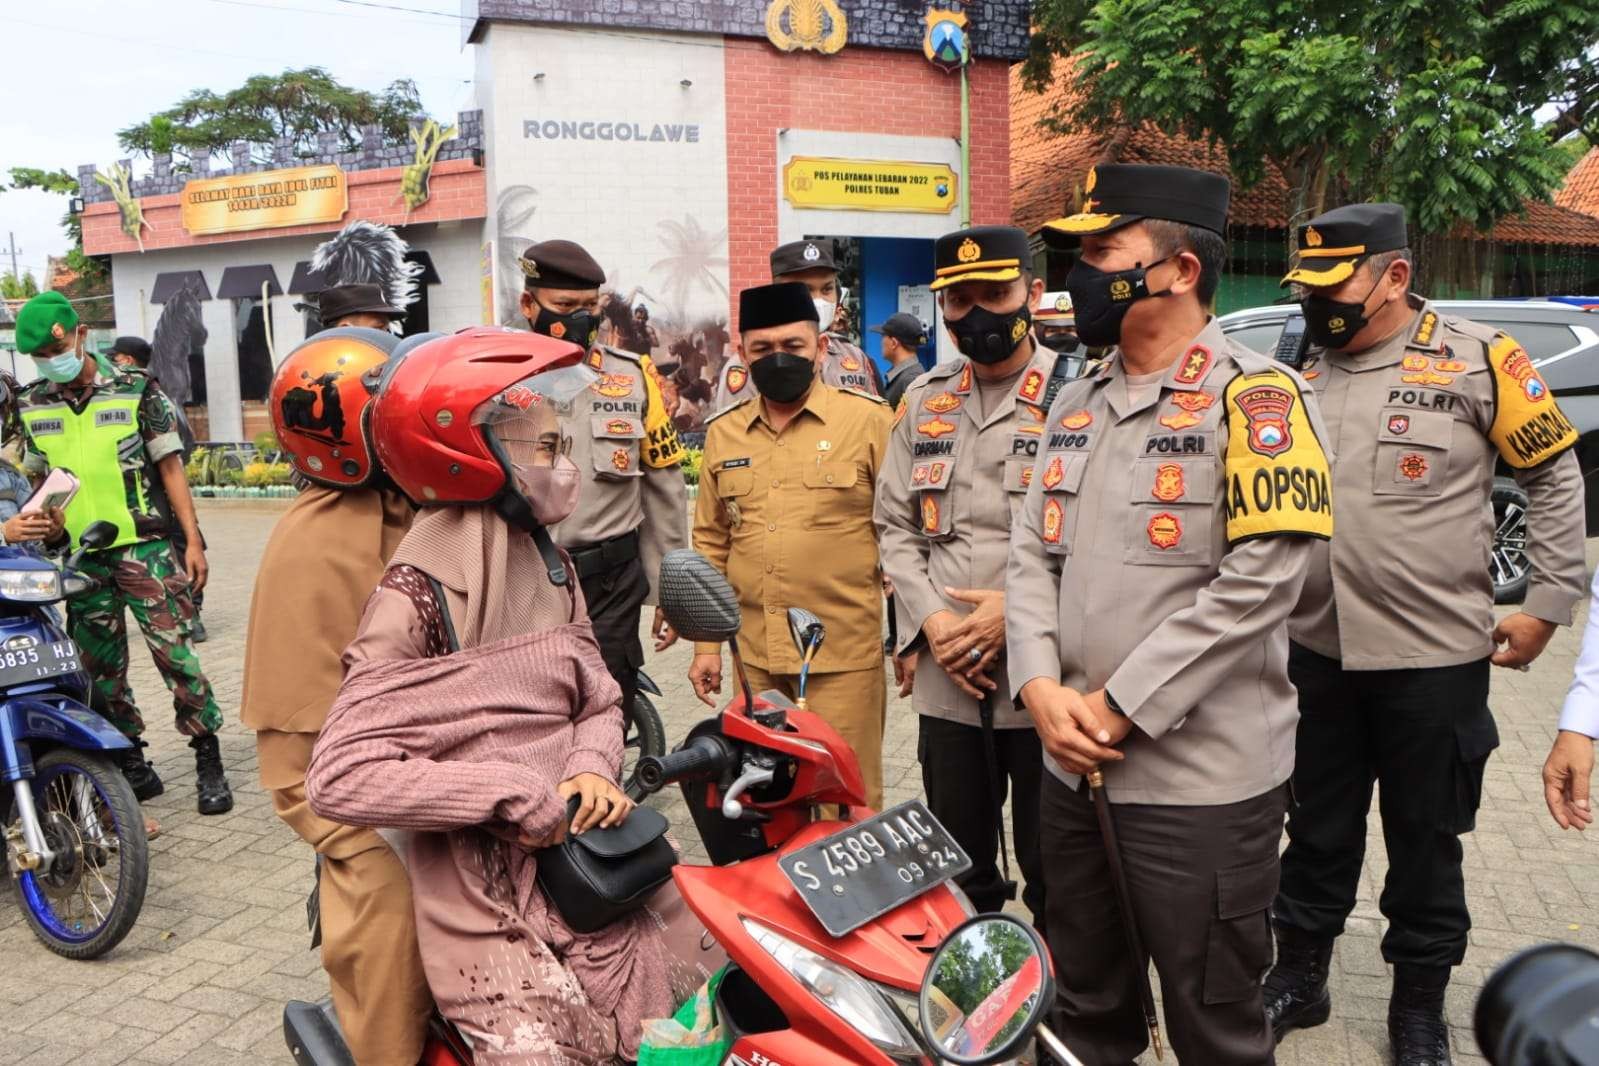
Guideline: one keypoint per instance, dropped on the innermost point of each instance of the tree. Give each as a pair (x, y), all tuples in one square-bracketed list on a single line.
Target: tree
[(59, 181), (1430, 105), (15, 288), (297, 104)]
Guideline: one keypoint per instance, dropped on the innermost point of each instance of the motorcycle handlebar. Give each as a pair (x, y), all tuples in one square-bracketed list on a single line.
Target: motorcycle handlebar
[(702, 757)]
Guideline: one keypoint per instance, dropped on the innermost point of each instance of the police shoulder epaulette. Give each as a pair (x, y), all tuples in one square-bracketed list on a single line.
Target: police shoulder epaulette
[(620, 353), (1251, 363), (864, 395), (734, 406), (1477, 331)]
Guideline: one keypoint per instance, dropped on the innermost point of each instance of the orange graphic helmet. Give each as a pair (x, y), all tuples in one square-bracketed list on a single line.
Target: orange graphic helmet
[(319, 401)]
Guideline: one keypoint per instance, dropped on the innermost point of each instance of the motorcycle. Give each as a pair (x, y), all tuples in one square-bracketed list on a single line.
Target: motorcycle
[(848, 941), (75, 840)]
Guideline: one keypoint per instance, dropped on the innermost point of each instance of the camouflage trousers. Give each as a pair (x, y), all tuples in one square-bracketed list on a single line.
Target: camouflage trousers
[(145, 579)]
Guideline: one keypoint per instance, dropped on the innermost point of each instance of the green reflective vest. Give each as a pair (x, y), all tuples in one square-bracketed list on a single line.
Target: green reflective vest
[(96, 445)]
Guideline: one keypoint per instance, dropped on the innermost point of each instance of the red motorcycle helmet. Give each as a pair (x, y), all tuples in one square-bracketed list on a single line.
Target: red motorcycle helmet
[(433, 418)]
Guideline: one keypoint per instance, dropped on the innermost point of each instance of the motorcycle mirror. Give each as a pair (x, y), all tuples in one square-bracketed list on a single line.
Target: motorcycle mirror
[(1537, 1007), (805, 627), (97, 536), (986, 991), (697, 599)]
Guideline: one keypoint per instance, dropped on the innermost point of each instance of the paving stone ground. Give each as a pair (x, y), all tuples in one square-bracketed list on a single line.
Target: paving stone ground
[(222, 943)]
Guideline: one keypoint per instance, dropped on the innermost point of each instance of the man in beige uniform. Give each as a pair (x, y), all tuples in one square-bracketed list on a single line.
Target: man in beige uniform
[(844, 365), (1171, 515), (959, 463), (1394, 634), (633, 506), (785, 511)]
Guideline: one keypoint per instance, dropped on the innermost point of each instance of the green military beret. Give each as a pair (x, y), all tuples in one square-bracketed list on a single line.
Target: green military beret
[(45, 318)]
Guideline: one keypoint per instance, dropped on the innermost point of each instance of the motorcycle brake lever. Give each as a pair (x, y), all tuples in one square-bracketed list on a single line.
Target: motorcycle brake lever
[(734, 810)]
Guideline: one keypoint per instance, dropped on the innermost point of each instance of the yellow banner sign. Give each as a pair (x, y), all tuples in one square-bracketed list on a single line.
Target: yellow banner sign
[(869, 185), (268, 200)]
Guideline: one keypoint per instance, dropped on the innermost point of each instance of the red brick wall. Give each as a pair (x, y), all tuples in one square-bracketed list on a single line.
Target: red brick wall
[(458, 190), (859, 90)]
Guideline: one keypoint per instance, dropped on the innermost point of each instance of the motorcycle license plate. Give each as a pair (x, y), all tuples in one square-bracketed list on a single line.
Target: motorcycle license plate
[(875, 865), (22, 666)]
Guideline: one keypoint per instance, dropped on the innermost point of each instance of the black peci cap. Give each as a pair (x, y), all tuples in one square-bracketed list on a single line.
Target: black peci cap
[(1331, 245), (561, 265), (903, 327), (795, 256), (765, 306), (1119, 194), (981, 253)]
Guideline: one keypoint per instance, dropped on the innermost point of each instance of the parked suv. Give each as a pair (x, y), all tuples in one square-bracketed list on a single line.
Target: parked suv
[(1562, 339)]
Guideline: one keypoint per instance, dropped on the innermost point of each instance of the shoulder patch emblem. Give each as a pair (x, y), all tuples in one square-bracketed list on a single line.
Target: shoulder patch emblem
[(1195, 364), (942, 403), (1276, 476), (1077, 420), (1054, 520), (1165, 530), (1169, 484), (1267, 408), (1528, 428), (1032, 385), (935, 428), (737, 378)]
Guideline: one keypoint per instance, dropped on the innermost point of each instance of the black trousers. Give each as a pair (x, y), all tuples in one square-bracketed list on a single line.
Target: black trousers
[(614, 597), (1201, 880), (1425, 736), (956, 779)]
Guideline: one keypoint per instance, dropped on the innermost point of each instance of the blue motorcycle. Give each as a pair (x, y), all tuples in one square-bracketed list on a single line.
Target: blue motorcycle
[(75, 841)]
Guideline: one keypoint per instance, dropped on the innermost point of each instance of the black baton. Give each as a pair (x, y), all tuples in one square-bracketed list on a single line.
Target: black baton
[(1113, 859)]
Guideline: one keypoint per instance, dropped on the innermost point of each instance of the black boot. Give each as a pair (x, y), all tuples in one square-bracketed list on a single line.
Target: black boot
[(215, 797), (140, 773), (1296, 988), (1416, 1025)]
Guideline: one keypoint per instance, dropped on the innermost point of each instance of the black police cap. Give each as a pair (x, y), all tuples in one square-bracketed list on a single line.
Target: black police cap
[(561, 265), (981, 253), (795, 256), (1119, 194), (1331, 245), (765, 306)]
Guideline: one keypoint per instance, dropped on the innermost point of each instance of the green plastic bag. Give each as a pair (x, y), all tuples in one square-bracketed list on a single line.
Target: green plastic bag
[(692, 1036)]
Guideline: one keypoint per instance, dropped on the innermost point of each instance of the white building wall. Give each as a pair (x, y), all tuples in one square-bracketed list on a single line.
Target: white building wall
[(652, 211), (452, 304)]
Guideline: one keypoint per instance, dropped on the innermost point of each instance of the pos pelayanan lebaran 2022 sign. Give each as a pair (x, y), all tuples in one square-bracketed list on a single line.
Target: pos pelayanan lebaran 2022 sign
[(944, 44)]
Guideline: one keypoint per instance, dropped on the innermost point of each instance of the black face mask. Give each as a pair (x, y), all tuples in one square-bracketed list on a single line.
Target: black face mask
[(1332, 323), (1100, 300), (1062, 342), (783, 377), (986, 337), (579, 327)]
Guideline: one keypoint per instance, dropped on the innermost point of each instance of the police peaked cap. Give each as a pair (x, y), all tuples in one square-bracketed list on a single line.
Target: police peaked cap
[(980, 253), (1119, 194), (765, 306), (561, 265), (795, 256), (1331, 245)]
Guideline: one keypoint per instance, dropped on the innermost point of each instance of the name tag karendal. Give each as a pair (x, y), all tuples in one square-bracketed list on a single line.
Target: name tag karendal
[(113, 416)]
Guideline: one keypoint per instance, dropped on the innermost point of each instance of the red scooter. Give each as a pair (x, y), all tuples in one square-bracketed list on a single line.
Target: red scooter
[(849, 942)]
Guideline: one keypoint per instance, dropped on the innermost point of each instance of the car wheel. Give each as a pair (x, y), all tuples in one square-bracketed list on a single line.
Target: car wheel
[(1508, 565)]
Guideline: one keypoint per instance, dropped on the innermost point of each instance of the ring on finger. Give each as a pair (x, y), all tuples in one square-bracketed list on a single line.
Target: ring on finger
[(975, 655)]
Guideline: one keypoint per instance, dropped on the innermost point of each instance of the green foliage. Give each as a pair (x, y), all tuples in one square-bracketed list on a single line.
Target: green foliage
[(1428, 104), (266, 443), (298, 104), (1572, 149), (692, 457), (260, 475), (15, 288)]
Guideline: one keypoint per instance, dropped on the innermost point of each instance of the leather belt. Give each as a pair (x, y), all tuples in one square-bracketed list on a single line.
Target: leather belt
[(605, 555)]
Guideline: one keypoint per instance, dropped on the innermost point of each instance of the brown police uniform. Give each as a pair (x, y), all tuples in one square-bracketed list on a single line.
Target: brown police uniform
[(1393, 631), (632, 509), (788, 518), (1160, 550)]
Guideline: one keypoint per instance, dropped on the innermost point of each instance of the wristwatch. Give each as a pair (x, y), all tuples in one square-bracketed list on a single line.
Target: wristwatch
[(1110, 701)]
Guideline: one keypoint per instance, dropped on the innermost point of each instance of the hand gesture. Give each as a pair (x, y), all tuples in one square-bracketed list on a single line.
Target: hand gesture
[(1566, 775), (35, 525), (1524, 638), (195, 566), (602, 804), (705, 674), (905, 672), (665, 636), (1073, 733)]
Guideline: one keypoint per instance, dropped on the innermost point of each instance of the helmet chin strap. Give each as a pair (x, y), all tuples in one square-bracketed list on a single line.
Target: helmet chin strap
[(512, 506)]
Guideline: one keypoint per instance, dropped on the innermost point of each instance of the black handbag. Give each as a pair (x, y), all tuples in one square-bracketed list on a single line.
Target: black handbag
[(593, 879)]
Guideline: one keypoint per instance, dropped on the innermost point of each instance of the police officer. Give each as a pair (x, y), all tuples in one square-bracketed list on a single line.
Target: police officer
[(843, 364), (785, 511), (960, 460), (903, 336), (1395, 631), (1172, 512), (632, 508)]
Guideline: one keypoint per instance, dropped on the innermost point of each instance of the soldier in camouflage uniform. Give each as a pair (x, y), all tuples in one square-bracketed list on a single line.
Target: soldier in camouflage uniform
[(111, 427)]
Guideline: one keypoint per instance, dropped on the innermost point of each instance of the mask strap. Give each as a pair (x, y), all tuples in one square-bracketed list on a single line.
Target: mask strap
[(1152, 266)]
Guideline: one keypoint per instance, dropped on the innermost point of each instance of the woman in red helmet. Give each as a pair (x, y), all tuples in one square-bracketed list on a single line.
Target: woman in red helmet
[(479, 750)]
